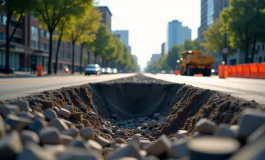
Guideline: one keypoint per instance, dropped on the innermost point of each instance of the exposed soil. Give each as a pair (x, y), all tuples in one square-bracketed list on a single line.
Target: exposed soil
[(140, 96)]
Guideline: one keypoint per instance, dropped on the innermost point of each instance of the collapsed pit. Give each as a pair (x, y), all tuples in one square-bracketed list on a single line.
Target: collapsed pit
[(139, 96)]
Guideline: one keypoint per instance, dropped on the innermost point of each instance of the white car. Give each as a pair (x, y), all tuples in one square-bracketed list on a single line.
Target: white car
[(92, 69)]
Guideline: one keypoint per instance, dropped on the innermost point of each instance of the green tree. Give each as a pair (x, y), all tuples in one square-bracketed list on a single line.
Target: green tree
[(242, 20), (101, 44), (83, 29), (50, 12), (16, 8), (173, 56)]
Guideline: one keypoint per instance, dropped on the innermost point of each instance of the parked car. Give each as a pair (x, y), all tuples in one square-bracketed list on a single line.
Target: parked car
[(3, 69), (92, 69), (114, 70), (106, 70)]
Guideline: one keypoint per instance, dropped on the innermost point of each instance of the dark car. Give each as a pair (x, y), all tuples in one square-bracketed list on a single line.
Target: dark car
[(3, 69), (92, 69)]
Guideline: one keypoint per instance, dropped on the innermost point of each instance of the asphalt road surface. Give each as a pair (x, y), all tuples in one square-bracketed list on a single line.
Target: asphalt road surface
[(250, 89), (11, 88)]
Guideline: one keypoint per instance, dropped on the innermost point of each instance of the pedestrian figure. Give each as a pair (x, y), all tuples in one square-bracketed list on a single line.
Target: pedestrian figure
[(33, 68)]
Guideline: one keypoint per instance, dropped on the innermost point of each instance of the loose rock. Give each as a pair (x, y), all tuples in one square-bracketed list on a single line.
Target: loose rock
[(87, 133), (151, 124), (50, 114), (29, 136), (10, 146), (23, 105), (65, 113), (37, 124), (205, 126), (77, 116), (160, 146), (59, 124), (6, 110), (70, 108), (17, 123), (50, 135)]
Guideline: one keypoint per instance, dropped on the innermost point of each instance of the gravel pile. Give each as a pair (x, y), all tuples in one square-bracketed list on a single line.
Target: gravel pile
[(137, 118)]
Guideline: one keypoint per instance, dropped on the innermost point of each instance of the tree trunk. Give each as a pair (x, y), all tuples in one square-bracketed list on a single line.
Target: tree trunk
[(96, 56), (81, 59), (50, 53), (73, 57), (253, 50), (7, 44), (246, 50), (57, 52)]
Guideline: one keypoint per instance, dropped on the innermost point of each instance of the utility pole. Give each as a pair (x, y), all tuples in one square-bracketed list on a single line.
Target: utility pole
[(225, 46)]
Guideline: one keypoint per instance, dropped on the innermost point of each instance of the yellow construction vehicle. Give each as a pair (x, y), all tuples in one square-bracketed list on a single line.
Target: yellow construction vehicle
[(193, 62)]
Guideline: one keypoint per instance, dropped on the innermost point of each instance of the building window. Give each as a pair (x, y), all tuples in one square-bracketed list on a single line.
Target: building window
[(258, 48), (263, 47), (34, 30), (3, 19), (2, 36), (34, 44), (260, 59), (44, 34)]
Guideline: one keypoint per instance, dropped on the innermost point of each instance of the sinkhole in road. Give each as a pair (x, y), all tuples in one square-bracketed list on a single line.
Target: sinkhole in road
[(131, 100)]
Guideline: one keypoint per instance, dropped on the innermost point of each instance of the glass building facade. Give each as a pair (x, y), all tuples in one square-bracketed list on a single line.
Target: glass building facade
[(210, 12)]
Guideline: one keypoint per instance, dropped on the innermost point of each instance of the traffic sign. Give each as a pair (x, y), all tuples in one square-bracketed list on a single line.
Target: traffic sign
[(225, 50)]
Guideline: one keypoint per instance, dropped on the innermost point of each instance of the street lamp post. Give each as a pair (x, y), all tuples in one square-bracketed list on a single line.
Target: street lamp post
[(225, 46)]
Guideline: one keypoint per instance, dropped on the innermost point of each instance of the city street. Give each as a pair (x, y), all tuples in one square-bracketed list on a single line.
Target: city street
[(17, 87), (249, 89)]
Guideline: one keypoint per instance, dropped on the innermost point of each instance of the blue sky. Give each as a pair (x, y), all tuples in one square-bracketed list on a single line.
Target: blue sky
[(147, 22)]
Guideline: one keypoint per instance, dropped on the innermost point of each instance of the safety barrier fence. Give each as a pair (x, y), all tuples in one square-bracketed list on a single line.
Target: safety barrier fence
[(252, 70)]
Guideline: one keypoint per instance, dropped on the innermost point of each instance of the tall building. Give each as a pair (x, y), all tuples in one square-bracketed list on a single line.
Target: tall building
[(163, 48), (155, 57), (30, 44), (123, 36), (106, 16), (210, 10), (177, 34), (135, 59)]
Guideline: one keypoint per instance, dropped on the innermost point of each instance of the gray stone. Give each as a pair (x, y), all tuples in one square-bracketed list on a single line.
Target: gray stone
[(70, 108), (47, 104), (50, 135), (65, 113), (74, 132), (39, 115), (6, 110), (144, 125), (68, 123), (198, 135), (179, 148), (34, 152), (182, 132), (251, 151), (10, 146), (26, 115), (249, 121), (160, 146), (29, 136), (257, 134), (130, 150), (94, 145), (23, 105), (151, 158), (59, 124), (108, 131), (216, 148), (56, 109), (77, 116), (87, 133), (79, 142), (120, 140), (234, 128), (146, 131), (143, 143), (2, 128), (205, 126), (102, 141), (37, 124), (138, 130), (224, 131), (114, 128), (75, 153), (163, 121), (17, 123), (66, 140), (107, 151), (54, 149), (120, 131), (151, 124), (50, 114)]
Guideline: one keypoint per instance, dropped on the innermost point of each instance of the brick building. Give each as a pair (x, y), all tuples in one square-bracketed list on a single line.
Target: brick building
[(31, 44)]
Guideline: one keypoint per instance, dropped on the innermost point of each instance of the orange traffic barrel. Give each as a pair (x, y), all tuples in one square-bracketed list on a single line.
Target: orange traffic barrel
[(233, 71), (230, 71), (39, 70), (246, 70), (253, 70), (261, 68), (177, 72), (223, 71), (239, 71)]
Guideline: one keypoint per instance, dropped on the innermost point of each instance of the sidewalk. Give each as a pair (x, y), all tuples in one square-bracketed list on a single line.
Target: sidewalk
[(20, 74)]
